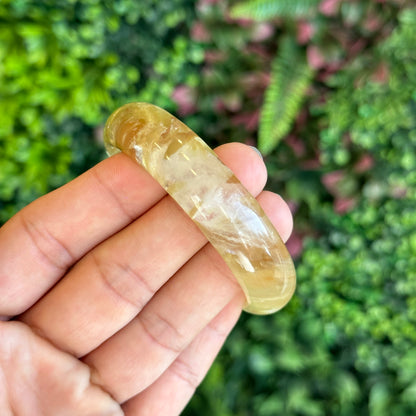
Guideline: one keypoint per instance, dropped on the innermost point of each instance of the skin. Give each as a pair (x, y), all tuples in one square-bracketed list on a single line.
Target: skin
[(111, 300)]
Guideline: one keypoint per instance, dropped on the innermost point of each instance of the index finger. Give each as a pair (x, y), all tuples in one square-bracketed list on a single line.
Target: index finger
[(42, 241)]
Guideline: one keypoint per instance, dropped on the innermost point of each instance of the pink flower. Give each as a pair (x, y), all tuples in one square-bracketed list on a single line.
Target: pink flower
[(316, 59), (200, 33), (343, 205), (329, 7), (219, 105), (296, 144), (184, 98), (372, 23), (262, 31), (295, 245), (249, 120), (364, 164), (357, 46), (331, 180), (305, 31)]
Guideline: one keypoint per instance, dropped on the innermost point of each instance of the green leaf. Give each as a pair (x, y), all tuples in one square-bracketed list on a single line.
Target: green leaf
[(379, 399), (290, 359), (299, 401), (271, 406), (290, 80), (409, 393), (348, 388), (269, 9)]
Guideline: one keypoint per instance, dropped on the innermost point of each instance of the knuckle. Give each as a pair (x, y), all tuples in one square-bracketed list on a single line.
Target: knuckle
[(162, 332), (45, 243), (102, 183), (182, 370), (123, 282)]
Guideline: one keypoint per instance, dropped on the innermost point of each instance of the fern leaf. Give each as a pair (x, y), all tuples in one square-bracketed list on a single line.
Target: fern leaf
[(269, 9), (290, 79)]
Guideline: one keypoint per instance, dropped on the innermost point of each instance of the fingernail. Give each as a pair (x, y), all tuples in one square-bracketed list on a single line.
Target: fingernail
[(257, 150)]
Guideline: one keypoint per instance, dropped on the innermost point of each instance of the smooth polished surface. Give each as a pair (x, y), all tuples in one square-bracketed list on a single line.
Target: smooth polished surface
[(230, 218)]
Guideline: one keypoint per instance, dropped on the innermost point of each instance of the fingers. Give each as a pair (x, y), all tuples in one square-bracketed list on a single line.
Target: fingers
[(151, 342), (179, 311), (52, 233), (126, 270), (122, 274), (169, 394)]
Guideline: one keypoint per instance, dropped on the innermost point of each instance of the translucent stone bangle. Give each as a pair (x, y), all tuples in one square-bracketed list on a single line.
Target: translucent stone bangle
[(231, 218)]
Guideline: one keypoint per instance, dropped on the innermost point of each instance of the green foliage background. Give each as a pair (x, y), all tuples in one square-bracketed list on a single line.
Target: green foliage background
[(327, 89)]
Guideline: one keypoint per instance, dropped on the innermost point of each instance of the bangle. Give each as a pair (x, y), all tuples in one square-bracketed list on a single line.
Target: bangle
[(208, 191)]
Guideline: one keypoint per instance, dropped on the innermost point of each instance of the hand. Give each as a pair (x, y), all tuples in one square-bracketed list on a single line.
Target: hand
[(112, 302)]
